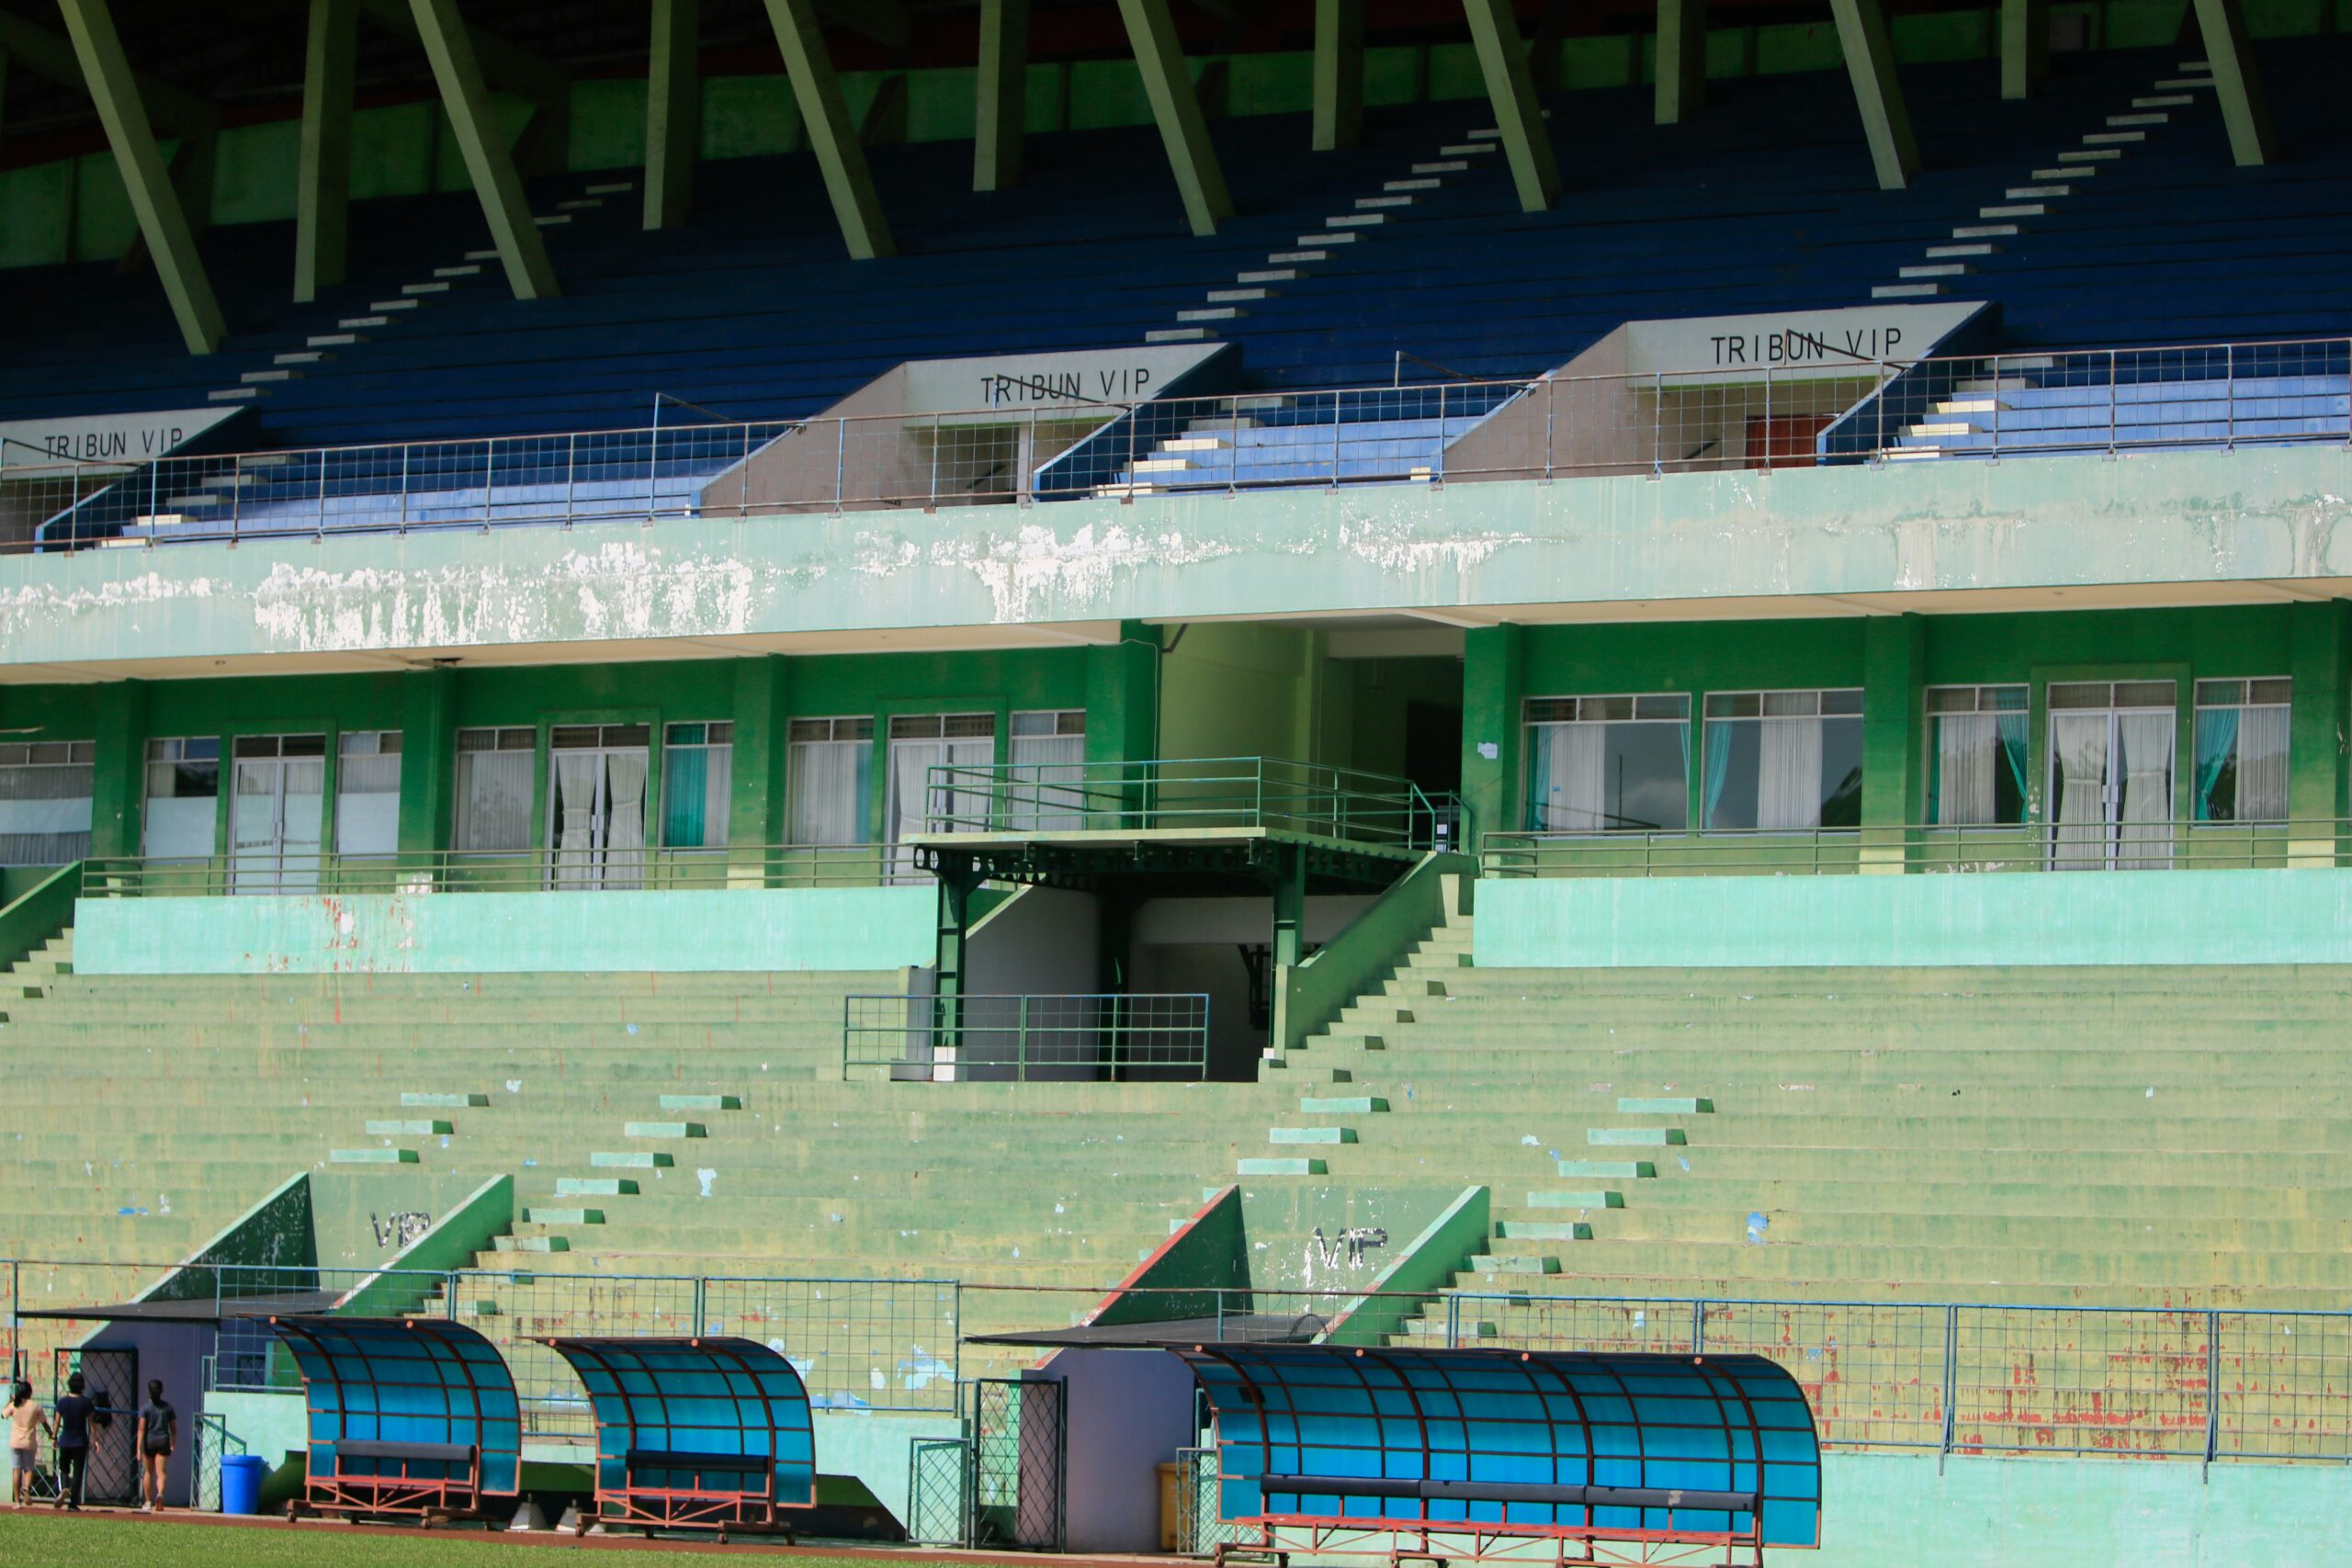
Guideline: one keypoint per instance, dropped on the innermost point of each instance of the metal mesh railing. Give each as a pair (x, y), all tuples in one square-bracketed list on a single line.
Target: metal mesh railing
[(520, 871), (1772, 400), (2023, 847), (1106, 1036)]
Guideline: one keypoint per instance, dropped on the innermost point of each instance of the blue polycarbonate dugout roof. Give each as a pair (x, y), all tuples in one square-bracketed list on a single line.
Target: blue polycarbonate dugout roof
[(406, 1381), (717, 1394), (1673, 1448)]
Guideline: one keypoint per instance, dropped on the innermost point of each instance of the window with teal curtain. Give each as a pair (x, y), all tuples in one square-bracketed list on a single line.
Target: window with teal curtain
[(698, 777), (2241, 758), (2217, 746), (1976, 762)]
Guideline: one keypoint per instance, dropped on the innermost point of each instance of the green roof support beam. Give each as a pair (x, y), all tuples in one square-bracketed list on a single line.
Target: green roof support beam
[(2025, 47), (163, 222), (543, 143), (1681, 87), (1176, 105), (2236, 82), (801, 36), (1338, 74), (1503, 57), (999, 111), (322, 188), (1869, 62), (489, 161), (672, 111)]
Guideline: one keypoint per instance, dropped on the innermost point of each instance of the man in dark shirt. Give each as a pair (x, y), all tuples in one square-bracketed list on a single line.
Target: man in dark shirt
[(74, 1412)]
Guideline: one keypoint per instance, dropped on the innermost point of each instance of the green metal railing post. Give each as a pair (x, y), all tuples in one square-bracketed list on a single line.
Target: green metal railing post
[(1951, 1384), (2213, 1390), (1021, 1043)]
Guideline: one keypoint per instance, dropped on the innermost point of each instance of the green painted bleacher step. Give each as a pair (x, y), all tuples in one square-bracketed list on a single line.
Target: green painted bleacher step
[(1264, 1167), (663, 1129), (1633, 1138), (702, 1102), (594, 1187), (371, 1156), (1628, 1106), (631, 1160), (1495, 1263), (530, 1243), (563, 1216), (442, 1101), (1356, 1105), (1310, 1134), (421, 1128), (1613, 1170), (1574, 1198), (1542, 1230)]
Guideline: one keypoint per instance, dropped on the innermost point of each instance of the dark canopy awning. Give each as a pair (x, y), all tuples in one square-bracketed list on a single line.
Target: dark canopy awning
[(201, 1309), (1258, 1328)]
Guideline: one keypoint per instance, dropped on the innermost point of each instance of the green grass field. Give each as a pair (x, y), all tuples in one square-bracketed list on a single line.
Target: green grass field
[(39, 1538)]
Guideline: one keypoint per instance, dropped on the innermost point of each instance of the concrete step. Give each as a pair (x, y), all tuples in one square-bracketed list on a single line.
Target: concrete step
[(1310, 1135), (1262, 1166), (372, 1157), (1607, 1169)]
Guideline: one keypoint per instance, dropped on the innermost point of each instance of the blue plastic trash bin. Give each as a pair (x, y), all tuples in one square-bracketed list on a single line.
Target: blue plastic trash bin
[(241, 1482)]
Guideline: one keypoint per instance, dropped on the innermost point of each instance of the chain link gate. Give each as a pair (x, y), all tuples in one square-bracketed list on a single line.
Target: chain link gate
[(938, 1472), (1020, 1444), (112, 1379)]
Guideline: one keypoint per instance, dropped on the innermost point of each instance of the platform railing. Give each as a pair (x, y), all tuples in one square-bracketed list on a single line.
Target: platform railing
[(1191, 794), (734, 867), (2201, 1384), (1082, 1038), (1830, 851), (1780, 400)]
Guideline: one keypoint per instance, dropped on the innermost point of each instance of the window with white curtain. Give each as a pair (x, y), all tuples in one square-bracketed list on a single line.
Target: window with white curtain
[(45, 787), (597, 777), (494, 809), (183, 793), (1977, 756), (1783, 760), (1048, 792), (920, 742), (697, 782), (367, 793), (829, 773), (2242, 749), (1608, 764)]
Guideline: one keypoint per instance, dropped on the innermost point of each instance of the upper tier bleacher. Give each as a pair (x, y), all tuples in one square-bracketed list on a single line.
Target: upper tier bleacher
[(1764, 201)]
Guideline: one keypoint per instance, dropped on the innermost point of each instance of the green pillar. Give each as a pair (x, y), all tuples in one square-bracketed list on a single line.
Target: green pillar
[(1869, 62), (1493, 690), (831, 137), (2025, 47), (163, 221), (1176, 106), (672, 111), (428, 760), (1290, 906), (2235, 81), (489, 162), (755, 815), (1000, 112), (118, 766), (1123, 696), (1502, 58), (323, 181), (1893, 666), (1681, 88), (2320, 634), (1339, 74)]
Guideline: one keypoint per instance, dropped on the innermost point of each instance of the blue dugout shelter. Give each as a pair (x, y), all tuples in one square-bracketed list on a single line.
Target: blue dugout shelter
[(407, 1416), (712, 1432)]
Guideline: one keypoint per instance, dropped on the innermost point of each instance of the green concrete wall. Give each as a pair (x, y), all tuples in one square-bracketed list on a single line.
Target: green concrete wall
[(1880, 1510), (743, 929), (1708, 546), (2052, 918)]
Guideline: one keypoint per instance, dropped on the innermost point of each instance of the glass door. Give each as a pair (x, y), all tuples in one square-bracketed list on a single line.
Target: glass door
[(596, 804), (2111, 758), (275, 817), (922, 742)]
